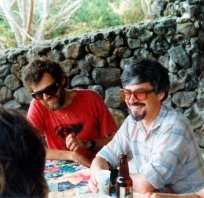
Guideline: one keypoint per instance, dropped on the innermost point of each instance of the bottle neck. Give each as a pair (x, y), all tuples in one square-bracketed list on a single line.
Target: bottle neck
[(123, 167)]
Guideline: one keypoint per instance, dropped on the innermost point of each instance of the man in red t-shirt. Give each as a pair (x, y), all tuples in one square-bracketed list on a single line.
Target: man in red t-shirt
[(75, 122)]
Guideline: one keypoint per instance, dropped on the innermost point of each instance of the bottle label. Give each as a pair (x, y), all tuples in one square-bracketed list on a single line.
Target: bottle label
[(126, 192)]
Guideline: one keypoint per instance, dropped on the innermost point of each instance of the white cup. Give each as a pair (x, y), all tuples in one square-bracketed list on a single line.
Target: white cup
[(103, 180)]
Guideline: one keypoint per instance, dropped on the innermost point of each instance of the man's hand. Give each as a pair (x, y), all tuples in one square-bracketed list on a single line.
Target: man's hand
[(73, 143), (97, 164), (93, 183)]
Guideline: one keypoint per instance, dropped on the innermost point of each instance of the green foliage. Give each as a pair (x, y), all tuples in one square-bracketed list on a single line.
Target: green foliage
[(134, 13), (96, 14), (7, 38), (92, 15)]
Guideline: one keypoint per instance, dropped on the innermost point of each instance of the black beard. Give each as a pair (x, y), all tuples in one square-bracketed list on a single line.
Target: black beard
[(137, 117), (61, 100), (62, 97)]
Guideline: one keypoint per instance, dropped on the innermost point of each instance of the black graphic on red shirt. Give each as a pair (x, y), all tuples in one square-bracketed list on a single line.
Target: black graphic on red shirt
[(66, 129)]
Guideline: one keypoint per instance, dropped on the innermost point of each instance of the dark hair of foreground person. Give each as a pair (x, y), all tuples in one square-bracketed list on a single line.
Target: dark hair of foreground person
[(22, 157)]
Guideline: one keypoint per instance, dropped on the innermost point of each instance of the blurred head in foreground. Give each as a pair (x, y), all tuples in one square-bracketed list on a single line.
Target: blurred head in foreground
[(22, 157)]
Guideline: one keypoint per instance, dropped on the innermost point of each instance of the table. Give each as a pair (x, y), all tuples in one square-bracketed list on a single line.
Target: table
[(68, 179)]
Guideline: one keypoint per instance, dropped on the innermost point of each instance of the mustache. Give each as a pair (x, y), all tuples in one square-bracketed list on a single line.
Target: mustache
[(137, 104), (49, 97)]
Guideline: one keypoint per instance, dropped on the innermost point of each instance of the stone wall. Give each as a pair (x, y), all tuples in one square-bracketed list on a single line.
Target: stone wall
[(95, 60)]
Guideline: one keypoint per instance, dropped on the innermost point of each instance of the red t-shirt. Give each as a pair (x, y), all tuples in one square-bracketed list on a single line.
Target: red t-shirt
[(87, 117)]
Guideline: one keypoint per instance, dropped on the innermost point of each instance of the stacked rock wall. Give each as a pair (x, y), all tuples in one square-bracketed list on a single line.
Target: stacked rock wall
[(96, 60)]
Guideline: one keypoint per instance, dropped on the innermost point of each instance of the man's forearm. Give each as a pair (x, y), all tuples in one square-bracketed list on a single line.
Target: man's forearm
[(99, 163), (54, 154), (140, 184), (166, 195)]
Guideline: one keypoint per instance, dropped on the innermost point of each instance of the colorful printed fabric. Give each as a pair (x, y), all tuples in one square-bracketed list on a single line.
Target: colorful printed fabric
[(66, 175)]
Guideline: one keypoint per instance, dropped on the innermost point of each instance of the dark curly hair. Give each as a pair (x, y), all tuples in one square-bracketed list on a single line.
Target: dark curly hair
[(34, 71), (22, 157), (146, 70)]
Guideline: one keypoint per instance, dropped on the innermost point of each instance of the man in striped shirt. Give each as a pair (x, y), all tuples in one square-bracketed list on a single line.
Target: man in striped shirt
[(159, 139)]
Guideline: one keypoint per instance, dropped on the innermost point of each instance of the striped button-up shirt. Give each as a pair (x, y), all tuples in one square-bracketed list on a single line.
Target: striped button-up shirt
[(165, 155)]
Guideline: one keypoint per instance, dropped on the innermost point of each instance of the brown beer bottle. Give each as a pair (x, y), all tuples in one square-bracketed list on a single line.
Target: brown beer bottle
[(124, 182)]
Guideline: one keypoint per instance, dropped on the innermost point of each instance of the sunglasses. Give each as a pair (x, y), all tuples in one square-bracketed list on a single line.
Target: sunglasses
[(50, 90), (139, 95)]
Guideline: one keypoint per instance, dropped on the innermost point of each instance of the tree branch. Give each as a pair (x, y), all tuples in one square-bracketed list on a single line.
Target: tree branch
[(30, 17), (22, 15)]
